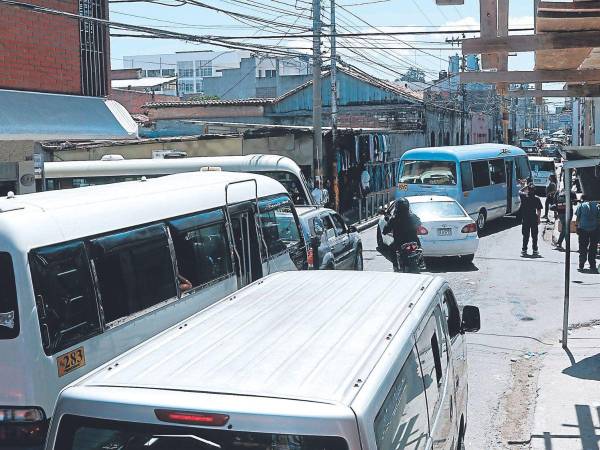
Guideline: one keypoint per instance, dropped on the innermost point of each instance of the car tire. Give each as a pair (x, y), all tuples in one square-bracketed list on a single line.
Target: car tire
[(467, 258), (358, 261), (481, 220)]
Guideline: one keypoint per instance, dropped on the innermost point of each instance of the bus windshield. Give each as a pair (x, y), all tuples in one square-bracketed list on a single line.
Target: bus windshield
[(429, 172), (542, 166), (291, 183), (79, 433)]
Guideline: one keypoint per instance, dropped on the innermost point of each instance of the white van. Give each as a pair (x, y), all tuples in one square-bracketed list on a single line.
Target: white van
[(295, 361), (541, 169), (86, 274)]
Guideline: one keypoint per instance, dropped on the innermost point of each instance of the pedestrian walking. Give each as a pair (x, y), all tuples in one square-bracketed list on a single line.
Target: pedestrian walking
[(551, 189), (531, 212), (560, 207), (588, 216)]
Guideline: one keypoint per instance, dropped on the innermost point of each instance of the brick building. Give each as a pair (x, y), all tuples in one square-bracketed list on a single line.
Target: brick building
[(45, 52)]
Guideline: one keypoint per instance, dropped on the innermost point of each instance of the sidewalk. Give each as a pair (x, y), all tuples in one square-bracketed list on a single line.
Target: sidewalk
[(567, 412)]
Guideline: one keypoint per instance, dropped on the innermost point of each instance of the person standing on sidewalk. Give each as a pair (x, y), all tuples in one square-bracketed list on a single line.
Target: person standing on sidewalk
[(560, 207), (551, 189), (588, 216), (531, 212)]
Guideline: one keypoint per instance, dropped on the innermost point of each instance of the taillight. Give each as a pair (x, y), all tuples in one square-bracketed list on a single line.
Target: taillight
[(422, 231), (192, 418), (470, 228), (22, 426), (310, 256)]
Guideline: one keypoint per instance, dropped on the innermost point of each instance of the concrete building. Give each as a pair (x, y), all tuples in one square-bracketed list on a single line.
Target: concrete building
[(258, 78), (191, 68)]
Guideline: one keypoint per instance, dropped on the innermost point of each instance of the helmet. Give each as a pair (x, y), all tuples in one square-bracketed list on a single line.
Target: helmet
[(401, 207)]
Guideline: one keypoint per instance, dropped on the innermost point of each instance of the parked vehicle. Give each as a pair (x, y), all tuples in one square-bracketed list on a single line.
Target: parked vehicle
[(331, 243), (89, 273), (485, 179), (310, 360), (541, 169), (446, 228), (71, 174)]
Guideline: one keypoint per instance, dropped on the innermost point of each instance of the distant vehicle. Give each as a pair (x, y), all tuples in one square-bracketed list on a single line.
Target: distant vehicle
[(71, 174), (303, 361), (485, 179), (528, 145), (541, 169), (551, 151), (87, 274), (339, 245), (446, 228)]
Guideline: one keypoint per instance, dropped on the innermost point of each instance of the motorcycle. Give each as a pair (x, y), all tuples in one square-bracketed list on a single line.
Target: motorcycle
[(409, 258)]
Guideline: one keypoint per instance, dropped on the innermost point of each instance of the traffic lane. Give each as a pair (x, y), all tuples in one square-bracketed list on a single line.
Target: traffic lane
[(521, 303)]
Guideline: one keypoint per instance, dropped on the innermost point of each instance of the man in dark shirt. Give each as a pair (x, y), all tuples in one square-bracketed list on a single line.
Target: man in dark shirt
[(531, 211)]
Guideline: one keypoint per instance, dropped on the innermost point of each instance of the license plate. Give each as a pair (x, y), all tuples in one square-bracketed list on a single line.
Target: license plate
[(444, 231), (403, 186), (71, 361)]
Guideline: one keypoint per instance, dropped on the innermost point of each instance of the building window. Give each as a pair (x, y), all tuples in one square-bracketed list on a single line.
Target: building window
[(168, 72), (186, 87), (203, 68), (185, 69), (93, 51), (270, 73), (153, 73), (199, 86)]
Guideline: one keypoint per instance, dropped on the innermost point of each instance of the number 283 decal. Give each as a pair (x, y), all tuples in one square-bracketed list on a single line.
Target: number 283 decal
[(70, 361)]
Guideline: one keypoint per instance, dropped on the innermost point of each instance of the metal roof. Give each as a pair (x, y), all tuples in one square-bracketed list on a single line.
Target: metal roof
[(147, 82), (183, 104), (36, 116), (292, 335)]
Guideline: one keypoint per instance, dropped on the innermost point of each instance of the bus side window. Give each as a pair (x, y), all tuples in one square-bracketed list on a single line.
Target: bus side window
[(481, 173), (9, 311), (202, 249), (135, 270), (497, 171), (523, 171), (401, 422), (466, 175), (66, 302)]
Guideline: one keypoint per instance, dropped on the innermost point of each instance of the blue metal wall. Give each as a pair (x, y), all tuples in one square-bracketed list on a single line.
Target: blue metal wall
[(351, 92)]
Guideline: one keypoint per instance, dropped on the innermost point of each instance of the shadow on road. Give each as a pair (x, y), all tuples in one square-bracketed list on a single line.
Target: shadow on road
[(586, 369), (496, 226), (444, 265)]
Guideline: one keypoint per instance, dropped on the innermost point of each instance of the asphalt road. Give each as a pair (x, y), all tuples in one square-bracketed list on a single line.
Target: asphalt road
[(521, 304)]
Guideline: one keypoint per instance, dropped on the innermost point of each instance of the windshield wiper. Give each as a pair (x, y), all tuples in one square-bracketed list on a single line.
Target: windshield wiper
[(204, 442)]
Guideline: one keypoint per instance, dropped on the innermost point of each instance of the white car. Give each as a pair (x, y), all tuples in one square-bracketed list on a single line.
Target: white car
[(446, 228)]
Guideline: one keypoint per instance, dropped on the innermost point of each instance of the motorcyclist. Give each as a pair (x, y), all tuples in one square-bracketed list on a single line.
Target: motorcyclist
[(403, 226)]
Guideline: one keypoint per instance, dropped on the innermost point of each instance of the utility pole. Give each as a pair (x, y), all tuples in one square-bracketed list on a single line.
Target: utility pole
[(317, 100), (334, 153)]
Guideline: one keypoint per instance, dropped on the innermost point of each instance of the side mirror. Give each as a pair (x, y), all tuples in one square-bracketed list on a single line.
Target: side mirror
[(471, 320), (352, 229), (381, 211)]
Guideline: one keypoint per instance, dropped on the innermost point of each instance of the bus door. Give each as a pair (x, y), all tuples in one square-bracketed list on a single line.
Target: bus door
[(245, 244), (510, 180)]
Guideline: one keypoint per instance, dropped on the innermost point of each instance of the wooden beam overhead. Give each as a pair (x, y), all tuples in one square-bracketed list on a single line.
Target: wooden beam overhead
[(537, 76), (574, 91), (488, 18), (532, 42)]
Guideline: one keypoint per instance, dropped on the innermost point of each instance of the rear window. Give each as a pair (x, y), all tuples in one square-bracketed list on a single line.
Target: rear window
[(542, 166), (9, 313), (291, 183), (436, 210), (78, 433), (429, 172)]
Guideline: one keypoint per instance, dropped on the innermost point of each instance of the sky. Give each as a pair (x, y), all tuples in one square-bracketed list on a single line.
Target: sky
[(385, 15)]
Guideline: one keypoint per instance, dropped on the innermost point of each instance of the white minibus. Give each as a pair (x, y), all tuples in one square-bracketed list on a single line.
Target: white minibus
[(86, 274), (311, 360), (70, 174)]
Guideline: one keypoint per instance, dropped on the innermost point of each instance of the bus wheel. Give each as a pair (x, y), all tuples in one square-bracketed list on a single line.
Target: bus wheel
[(481, 220)]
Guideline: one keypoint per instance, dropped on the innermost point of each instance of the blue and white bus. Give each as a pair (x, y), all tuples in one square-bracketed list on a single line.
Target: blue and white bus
[(485, 179)]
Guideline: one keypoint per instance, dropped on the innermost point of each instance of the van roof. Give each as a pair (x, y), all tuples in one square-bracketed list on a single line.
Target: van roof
[(300, 336), (57, 216), (462, 152)]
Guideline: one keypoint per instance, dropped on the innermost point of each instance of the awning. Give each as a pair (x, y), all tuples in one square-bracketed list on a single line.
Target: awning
[(35, 116)]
